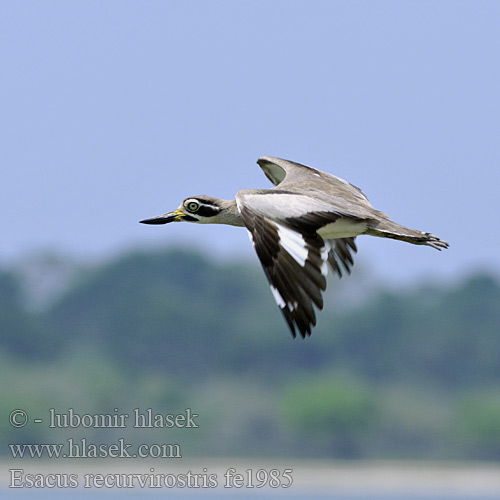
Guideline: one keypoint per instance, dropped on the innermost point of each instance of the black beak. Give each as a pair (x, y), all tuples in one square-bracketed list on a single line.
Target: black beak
[(162, 219)]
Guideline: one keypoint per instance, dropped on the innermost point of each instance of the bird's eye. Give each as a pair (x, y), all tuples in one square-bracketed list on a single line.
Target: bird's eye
[(192, 206)]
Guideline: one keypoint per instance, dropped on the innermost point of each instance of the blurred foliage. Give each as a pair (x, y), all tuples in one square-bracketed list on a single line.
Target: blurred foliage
[(406, 374), (478, 418), (340, 404)]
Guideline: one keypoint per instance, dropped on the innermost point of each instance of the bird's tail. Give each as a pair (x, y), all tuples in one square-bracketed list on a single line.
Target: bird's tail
[(389, 229)]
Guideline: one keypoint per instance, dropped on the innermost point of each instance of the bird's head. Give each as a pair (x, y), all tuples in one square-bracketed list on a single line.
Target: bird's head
[(203, 210)]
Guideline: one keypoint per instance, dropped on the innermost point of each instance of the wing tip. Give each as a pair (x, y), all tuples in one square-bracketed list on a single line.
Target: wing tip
[(267, 159)]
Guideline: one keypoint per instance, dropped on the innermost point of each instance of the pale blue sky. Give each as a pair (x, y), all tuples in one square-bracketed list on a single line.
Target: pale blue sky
[(113, 111)]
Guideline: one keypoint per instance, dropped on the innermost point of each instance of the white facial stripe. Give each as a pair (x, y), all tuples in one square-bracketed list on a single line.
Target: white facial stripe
[(293, 243), (277, 297)]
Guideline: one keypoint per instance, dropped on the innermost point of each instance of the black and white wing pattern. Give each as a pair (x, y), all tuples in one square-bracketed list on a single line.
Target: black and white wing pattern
[(294, 258), (339, 256)]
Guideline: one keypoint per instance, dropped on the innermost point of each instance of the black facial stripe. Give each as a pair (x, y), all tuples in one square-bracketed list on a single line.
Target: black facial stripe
[(188, 218), (206, 210)]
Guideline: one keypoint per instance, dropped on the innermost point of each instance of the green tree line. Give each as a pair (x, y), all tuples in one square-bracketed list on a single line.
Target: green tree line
[(404, 374)]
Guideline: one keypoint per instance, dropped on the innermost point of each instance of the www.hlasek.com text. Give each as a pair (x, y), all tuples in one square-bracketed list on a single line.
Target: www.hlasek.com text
[(81, 448)]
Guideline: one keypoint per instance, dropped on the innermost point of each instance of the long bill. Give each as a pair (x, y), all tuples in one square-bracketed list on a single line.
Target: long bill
[(164, 218)]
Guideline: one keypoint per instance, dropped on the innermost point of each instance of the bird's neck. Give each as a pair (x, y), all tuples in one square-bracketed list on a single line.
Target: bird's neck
[(230, 214)]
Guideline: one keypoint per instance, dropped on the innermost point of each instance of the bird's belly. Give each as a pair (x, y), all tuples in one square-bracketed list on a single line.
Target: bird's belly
[(342, 228)]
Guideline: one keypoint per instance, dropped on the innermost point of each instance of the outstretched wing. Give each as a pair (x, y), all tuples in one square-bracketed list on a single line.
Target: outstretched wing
[(276, 169), (293, 255), (338, 193), (340, 256), (295, 268)]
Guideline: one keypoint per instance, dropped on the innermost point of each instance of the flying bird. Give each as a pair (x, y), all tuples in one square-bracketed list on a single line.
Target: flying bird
[(308, 220)]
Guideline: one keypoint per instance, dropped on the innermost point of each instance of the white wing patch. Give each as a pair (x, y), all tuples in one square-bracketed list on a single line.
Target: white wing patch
[(324, 257), (277, 297), (295, 265), (293, 243)]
